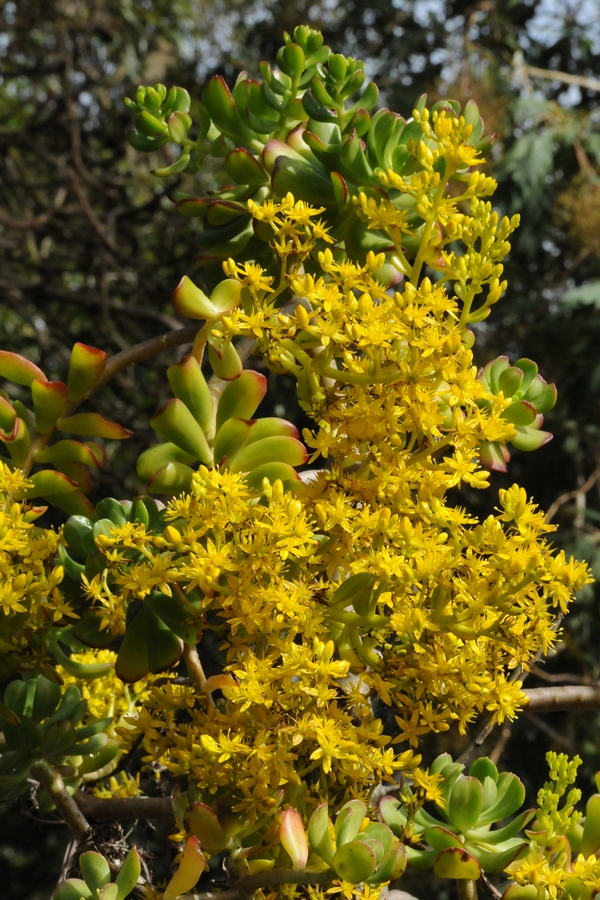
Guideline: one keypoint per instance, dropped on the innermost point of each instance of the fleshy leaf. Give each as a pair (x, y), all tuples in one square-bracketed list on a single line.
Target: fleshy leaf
[(49, 403), (293, 838), (16, 368), (148, 646), (86, 368), (189, 385), (269, 450), (458, 864), (94, 869), (129, 874), (93, 425), (590, 840), (241, 397), (355, 861), (176, 424), (465, 802), (201, 821), (190, 869), (318, 834), (192, 302)]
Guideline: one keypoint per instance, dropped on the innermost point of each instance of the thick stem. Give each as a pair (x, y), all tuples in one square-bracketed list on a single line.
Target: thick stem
[(568, 696), (65, 804), (194, 667), (248, 885), (146, 350), (124, 809), (466, 889)]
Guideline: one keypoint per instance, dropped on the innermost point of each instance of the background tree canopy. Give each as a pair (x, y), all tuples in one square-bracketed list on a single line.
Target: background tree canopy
[(91, 246)]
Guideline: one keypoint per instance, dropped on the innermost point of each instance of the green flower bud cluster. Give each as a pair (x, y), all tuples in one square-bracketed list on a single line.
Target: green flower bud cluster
[(161, 116), (530, 397), (40, 724), (459, 842), (97, 883)]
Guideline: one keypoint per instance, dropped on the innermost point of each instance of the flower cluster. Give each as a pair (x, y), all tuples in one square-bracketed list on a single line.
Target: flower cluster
[(363, 585), (30, 597)]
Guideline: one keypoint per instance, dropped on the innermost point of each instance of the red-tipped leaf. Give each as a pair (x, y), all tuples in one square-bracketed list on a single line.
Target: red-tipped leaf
[(93, 425), (86, 368), (16, 368)]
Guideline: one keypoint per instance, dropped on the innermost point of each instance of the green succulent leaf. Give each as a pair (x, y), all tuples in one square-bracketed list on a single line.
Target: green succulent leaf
[(456, 863), (128, 875), (354, 861)]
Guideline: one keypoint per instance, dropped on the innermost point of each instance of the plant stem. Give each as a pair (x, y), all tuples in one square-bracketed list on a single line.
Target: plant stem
[(65, 805), (248, 885), (467, 889), (124, 809)]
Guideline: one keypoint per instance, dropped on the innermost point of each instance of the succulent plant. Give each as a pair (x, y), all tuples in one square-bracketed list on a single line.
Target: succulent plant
[(97, 883), (356, 854), (200, 426), (459, 842), (26, 431), (305, 127), (530, 398), (40, 722)]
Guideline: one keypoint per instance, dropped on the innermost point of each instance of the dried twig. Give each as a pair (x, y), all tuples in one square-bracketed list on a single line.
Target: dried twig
[(573, 495)]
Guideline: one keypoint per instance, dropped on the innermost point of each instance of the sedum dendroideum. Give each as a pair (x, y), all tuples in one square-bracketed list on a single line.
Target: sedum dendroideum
[(309, 630)]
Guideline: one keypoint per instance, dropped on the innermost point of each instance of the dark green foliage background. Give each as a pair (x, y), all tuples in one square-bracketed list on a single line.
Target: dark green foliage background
[(91, 248)]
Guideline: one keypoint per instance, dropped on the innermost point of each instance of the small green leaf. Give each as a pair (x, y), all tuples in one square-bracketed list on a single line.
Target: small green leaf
[(16, 368), (349, 820), (129, 874), (318, 834), (72, 889), (240, 398), (94, 869), (355, 861)]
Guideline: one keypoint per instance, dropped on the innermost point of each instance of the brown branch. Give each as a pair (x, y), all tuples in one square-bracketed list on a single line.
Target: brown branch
[(33, 222), (65, 804), (501, 743), (247, 886), (146, 350), (124, 809), (556, 699), (554, 75), (89, 212)]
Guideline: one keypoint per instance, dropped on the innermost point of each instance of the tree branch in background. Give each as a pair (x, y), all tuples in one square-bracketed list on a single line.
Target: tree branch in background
[(592, 84), (580, 492), (558, 699), (124, 809)]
